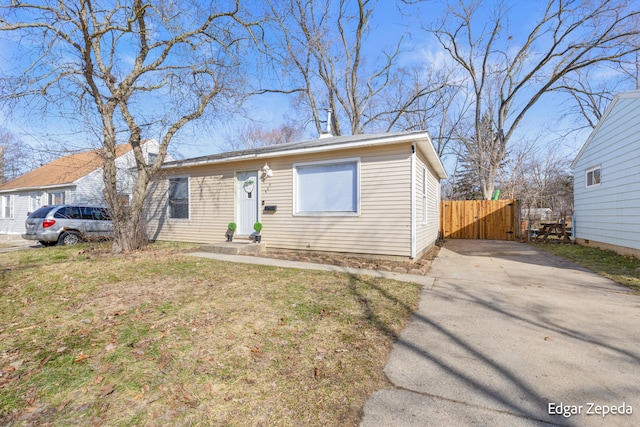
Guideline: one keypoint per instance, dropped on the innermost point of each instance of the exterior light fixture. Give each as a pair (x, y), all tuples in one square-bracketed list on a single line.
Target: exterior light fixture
[(266, 172)]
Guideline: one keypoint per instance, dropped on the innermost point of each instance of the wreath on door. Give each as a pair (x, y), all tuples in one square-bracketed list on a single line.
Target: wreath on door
[(248, 185)]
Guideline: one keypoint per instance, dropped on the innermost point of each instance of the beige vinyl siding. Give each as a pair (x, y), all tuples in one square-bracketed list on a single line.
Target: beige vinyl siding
[(383, 226), (211, 207), (426, 234)]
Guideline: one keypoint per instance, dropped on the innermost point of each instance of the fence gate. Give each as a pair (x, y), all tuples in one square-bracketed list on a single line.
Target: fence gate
[(479, 219)]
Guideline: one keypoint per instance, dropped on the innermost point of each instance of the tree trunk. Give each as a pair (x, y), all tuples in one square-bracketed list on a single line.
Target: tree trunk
[(129, 222)]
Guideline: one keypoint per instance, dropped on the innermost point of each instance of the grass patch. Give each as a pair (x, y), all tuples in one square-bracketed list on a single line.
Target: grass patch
[(624, 270), (156, 337)]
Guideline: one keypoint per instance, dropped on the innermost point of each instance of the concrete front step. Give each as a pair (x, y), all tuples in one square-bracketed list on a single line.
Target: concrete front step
[(236, 248)]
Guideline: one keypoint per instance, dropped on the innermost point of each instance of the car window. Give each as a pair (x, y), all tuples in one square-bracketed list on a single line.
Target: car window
[(41, 212), (69, 212), (104, 214), (98, 214), (87, 213)]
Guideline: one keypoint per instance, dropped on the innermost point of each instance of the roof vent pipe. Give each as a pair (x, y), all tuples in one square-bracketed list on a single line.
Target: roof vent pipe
[(328, 133)]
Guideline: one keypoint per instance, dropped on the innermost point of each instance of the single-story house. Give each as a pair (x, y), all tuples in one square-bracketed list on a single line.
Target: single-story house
[(360, 194), (606, 210), (76, 178)]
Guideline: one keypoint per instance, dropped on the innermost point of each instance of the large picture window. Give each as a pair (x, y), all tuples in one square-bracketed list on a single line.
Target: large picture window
[(179, 198), (327, 188), (593, 176)]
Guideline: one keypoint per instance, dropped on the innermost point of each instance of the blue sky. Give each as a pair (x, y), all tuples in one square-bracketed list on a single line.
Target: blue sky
[(387, 27)]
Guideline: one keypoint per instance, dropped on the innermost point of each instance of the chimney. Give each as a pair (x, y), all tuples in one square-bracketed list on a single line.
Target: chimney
[(328, 133)]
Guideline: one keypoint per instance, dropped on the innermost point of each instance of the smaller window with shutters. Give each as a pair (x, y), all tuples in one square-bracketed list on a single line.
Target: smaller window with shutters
[(593, 176)]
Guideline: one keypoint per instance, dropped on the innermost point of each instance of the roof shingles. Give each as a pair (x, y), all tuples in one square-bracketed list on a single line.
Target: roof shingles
[(65, 170)]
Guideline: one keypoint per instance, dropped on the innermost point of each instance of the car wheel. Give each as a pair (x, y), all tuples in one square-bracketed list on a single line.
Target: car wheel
[(69, 238), (43, 243)]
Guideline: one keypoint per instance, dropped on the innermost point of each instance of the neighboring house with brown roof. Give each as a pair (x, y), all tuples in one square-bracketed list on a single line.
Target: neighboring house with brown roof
[(76, 178)]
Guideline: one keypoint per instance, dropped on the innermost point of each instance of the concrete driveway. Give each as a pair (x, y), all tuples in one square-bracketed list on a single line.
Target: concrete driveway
[(504, 335)]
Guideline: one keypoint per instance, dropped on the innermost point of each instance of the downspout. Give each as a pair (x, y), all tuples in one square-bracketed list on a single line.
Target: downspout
[(413, 201)]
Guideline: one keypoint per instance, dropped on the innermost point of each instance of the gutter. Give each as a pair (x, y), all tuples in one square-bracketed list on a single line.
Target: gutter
[(38, 188)]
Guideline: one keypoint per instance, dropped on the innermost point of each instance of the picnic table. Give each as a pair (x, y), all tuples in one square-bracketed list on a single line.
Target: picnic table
[(558, 229)]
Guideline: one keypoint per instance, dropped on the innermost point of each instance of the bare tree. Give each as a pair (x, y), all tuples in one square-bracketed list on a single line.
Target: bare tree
[(422, 98), (538, 179), (136, 69), (321, 46), (508, 75), (14, 160), (17, 157), (593, 89), (252, 135)]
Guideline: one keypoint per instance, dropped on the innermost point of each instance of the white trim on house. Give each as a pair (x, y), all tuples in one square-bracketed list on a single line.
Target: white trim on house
[(425, 191), (414, 227), (421, 139), (596, 179), (63, 187)]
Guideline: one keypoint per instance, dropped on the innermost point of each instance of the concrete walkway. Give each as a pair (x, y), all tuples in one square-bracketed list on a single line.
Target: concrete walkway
[(503, 334)]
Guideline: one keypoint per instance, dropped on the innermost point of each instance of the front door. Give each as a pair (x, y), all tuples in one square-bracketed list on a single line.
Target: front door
[(247, 201)]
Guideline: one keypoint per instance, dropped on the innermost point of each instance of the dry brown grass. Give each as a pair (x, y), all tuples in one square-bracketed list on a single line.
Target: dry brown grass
[(161, 338)]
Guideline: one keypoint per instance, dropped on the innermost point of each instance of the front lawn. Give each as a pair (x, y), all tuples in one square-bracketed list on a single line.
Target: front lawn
[(157, 337)]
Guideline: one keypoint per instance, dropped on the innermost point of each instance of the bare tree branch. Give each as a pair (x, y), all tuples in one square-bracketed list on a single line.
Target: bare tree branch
[(569, 36)]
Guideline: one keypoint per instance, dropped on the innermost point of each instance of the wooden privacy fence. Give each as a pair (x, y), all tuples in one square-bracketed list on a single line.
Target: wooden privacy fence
[(479, 219)]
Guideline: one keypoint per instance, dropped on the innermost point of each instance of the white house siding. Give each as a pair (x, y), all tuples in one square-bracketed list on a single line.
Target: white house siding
[(383, 226), (90, 187), (608, 213), (25, 202), (87, 189), (13, 223), (427, 233)]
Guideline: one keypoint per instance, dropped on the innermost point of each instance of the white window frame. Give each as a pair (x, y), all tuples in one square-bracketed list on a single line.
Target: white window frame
[(438, 197), (8, 202), (51, 197), (151, 157), (425, 198), (188, 198), (35, 201), (592, 172), (353, 160)]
